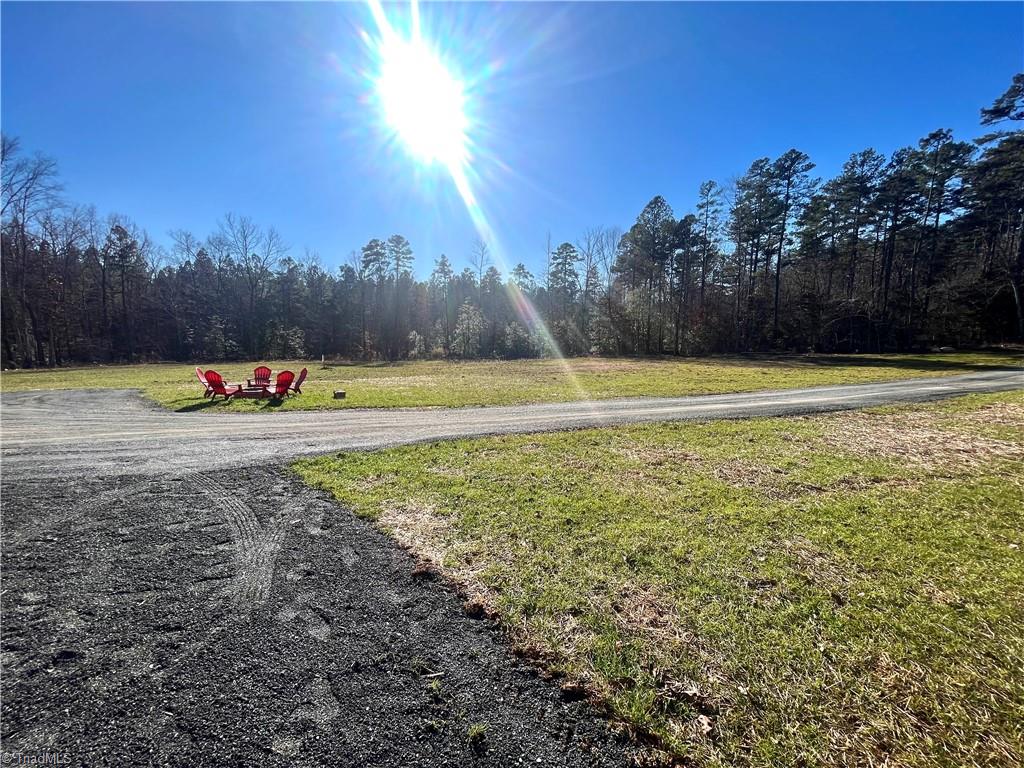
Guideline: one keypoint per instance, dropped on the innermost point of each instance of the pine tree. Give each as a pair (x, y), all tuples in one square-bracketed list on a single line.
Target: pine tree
[(792, 187), (399, 255)]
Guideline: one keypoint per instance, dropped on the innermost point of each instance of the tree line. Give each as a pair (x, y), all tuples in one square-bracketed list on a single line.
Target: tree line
[(921, 248)]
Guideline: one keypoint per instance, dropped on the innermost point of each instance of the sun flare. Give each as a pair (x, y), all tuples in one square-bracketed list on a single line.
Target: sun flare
[(422, 101), (426, 107)]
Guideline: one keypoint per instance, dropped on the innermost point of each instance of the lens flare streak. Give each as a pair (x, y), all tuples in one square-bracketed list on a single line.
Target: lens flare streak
[(426, 107)]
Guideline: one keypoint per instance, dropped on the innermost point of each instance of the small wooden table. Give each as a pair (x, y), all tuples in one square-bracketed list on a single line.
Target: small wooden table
[(251, 392)]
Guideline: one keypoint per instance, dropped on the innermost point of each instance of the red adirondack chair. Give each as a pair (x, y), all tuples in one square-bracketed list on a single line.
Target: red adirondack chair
[(260, 377), (202, 380), (296, 388), (280, 387), (217, 386)]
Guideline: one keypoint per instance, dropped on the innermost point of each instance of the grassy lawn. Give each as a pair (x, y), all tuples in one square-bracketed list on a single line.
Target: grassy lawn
[(844, 589), (439, 383)]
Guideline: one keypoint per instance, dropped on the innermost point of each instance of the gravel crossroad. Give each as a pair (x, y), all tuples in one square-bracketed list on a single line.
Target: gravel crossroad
[(173, 596)]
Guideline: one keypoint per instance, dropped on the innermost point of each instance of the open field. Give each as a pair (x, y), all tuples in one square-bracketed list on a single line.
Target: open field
[(839, 589), (440, 383)]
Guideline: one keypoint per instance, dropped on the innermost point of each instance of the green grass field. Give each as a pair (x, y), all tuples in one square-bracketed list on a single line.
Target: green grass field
[(843, 589), (439, 383)]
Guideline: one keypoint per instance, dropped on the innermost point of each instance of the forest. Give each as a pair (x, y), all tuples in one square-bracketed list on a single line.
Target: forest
[(922, 248)]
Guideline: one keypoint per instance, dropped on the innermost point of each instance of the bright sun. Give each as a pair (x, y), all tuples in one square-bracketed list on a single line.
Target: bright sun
[(422, 101)]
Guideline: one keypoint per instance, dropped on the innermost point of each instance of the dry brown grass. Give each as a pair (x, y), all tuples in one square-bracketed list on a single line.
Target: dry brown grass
[(820, 568), (418, 528), (430, 538), (927, 439), (660, 455), (644, 610), (372, 482), (531, 447), (739, 473), (690, 707), (609, 365), (1002, 414), (446, 470)]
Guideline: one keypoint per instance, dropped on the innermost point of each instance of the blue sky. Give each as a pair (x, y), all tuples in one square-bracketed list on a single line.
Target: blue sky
[(177, 113)]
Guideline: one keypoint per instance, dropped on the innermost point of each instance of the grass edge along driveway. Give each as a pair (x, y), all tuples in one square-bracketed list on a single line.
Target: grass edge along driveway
[(480, 383), (828, 590)]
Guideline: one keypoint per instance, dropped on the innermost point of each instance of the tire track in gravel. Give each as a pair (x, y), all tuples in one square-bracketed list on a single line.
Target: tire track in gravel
[(256, 546)]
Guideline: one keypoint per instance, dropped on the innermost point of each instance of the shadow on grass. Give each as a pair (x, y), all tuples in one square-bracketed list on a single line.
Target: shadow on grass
[(272, 403), (203, 405), (200, 405)]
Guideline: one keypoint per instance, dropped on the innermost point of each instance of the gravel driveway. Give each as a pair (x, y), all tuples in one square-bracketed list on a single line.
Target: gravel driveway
[(117, 432), (173, 596)]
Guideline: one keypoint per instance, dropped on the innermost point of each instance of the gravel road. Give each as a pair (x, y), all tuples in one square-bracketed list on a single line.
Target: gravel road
[(117, 432), (173, 596)]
